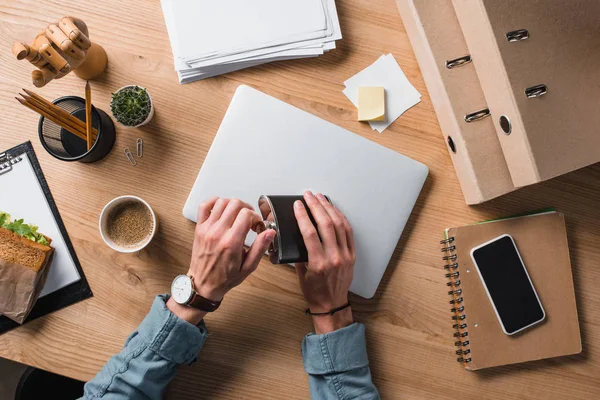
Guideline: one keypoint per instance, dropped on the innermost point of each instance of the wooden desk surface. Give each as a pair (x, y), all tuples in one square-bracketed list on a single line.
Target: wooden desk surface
[(254, 349)]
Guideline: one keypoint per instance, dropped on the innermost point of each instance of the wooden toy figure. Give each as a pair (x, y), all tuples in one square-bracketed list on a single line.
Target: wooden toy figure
[(61, 48)]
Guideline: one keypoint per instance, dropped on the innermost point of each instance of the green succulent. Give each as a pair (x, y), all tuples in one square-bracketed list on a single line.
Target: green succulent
[(131, 106)]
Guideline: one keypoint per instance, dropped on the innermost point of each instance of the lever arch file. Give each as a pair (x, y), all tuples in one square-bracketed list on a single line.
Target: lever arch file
[(538, 68), (456, 94), (478, 337)]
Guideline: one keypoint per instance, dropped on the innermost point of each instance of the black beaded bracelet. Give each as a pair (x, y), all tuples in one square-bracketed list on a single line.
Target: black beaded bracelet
[(330, 312)]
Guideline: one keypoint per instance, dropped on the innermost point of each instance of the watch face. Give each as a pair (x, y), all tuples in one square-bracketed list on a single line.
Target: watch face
[(181, 289)]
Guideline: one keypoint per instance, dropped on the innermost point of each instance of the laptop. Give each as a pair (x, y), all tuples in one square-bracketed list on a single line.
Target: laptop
[(265, 146)]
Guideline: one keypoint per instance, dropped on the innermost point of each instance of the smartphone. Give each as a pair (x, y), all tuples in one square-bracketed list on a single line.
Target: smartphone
[(508, 284)]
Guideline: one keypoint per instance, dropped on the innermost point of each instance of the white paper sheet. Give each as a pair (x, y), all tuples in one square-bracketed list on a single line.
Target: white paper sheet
[(185, 77), (278, 46), (400, 94), (309, 51), (22, 197), (264, 53), (208, 28), (326, 43)]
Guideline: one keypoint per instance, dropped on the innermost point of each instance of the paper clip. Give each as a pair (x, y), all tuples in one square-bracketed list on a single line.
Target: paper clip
[(140, 147), (130, 157)]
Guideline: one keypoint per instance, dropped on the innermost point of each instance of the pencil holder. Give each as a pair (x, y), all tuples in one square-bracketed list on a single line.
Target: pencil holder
[(66, 146)]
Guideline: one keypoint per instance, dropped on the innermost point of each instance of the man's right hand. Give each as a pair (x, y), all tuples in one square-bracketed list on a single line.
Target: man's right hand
[(326, 278), (219, 260)]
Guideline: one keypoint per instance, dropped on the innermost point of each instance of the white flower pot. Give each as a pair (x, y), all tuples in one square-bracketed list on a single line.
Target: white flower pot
[(150, 115)]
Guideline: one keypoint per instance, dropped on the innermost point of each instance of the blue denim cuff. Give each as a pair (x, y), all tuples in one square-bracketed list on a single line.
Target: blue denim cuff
[(169, 336), (335, 352)]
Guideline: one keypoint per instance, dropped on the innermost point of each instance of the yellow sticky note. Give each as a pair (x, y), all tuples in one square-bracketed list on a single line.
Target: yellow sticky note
[(371, 103)]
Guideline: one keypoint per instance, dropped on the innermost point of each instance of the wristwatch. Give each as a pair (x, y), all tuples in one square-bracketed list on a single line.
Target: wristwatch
[(183, 292)]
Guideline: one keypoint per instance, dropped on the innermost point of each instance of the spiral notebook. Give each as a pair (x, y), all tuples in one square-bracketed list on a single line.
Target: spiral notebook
[(32, 201), (542, 242)]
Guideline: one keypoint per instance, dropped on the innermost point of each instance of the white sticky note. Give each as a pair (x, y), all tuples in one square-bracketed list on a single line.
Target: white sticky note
[(400, 93)]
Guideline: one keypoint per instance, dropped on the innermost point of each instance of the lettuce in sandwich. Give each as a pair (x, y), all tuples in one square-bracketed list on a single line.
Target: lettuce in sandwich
[(22, 229)]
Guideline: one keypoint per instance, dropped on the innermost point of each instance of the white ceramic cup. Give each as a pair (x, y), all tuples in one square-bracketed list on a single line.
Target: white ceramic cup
[(150, 115), (103, 225)]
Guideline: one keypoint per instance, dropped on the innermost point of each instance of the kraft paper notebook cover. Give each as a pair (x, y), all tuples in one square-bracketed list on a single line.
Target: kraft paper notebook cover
[(538, 65), (542, 242), (455, 92)]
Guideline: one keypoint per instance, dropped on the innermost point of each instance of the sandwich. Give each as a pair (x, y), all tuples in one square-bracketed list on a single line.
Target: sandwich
[(24, 258)]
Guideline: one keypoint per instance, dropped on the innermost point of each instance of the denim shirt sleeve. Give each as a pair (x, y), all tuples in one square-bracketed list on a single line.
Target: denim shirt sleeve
[(338, 366), (148, 361)]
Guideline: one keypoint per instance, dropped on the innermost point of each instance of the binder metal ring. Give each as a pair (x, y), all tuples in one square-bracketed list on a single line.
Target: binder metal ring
[(518, 35), (477, 115), (458, 62), (464, 360), (450, 248), (456, 301), (457, 292), (449, 240), (452, 257), (459, 352), (536, 91), (457, 309), (458, 317), (453, 283), (461, 334), (459, 326), (453, 275)]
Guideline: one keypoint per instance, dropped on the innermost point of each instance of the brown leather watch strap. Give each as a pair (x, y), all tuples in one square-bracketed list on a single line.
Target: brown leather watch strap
[(204, 304)]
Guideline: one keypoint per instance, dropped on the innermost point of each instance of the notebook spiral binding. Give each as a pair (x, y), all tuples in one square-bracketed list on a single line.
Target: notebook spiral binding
[(456, 302)]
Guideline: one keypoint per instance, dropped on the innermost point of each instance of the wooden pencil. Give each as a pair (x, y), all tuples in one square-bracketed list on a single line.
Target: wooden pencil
[(67, 118), (59, 116), (52, 117), (88, 115), (65, 114), (45, 104), (53, 112)]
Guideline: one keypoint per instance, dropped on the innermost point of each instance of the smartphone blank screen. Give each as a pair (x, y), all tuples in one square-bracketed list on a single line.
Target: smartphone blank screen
[(508, 284)]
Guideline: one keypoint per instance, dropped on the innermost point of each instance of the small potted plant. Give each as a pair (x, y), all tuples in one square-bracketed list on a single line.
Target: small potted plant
[(132, 106)]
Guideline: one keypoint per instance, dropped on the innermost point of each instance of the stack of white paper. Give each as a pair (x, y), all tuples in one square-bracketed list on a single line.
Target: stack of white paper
[(213, 37)]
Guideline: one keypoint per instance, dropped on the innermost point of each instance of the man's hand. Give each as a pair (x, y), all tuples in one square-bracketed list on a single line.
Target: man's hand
[(327, 276), (219, 260)]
